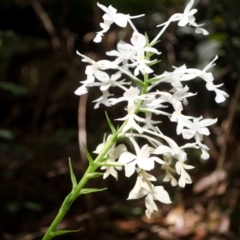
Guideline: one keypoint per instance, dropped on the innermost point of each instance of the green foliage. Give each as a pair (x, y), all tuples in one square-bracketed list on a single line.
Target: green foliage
[(110, 124), (13, 88), (94, 175), (89, 157), (91, 190), (62, 232), (73, 178), (6, 134)]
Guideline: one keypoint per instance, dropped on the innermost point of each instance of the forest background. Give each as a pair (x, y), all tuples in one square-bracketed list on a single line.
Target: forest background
[(41, 120)]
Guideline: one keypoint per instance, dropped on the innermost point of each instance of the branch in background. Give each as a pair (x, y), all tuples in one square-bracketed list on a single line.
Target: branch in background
[(47, 23), (82, 136), (227, 124)]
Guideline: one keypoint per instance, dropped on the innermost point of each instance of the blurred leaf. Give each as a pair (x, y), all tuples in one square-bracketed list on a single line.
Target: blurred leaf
[(137, 211), (33, 206), (13, 207), (13, 88), (6, 134)]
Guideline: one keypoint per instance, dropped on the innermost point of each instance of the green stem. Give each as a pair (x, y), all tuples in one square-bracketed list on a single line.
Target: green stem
[(77, 189)]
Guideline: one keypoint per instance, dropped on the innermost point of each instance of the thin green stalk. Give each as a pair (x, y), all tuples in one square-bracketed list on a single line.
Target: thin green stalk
[(52, 232)]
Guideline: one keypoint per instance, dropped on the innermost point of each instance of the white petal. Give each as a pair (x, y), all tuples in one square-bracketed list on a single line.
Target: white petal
[(151, 49), (112, 9), (121, 19), (105, 9), (189, 76), (192, 12), (145, 151), (98, 38), (148, 176), (205, 155), (188, 133), (189, 6), (207, 122), (137, 192), (180, 126), (161, 195), (105, 25), (101, 76), (126, 157), (182, 156), (150, 204), (201, 31), (181, 181), (163, 149), (178, 167), (145, 163), (81, 90), (121, 148), (131, 92), (130, 169), (204, 131), (116, 76), (148, 213), (183, 22), (188, 166), (221, 96), (138, 40)]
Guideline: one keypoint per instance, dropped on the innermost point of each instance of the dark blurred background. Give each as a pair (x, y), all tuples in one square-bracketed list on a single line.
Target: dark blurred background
[(40, 116)]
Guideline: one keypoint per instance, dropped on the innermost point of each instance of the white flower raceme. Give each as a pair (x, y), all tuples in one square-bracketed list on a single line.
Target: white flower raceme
[(144, 96)]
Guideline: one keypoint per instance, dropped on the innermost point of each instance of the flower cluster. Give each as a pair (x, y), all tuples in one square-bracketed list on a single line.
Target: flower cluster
[(142, 94)]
